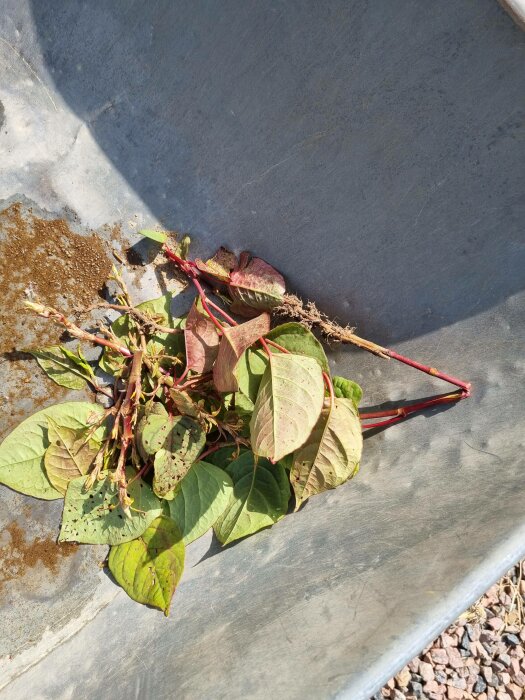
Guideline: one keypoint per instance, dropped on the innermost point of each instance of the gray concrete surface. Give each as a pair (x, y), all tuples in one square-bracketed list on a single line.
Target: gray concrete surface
[(374, 153)]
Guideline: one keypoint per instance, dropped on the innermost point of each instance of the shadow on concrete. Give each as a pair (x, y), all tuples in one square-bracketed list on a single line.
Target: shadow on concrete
[(367, 149)]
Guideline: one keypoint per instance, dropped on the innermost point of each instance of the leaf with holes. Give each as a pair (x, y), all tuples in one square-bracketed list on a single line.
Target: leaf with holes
[(259, 499), (288, 405), (201, 338), (256, 284), (150, 567), (70, 454), (332, 453), (234, 342), (174, 441), (63, 366), (22, 452), (152, 430), (347, 389), (200, 499), (95, 516)]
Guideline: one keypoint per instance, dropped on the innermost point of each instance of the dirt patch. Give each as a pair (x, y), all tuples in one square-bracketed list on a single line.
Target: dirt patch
[(44, 256), (18, 556)]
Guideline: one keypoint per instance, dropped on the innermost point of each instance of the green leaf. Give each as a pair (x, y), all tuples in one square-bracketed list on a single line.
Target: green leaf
[(150, 567), (69, 455), (347, 389), (225, 455), (256, 284), (158, 236), (332, 453), (250, 369), (300, 341), (183, 444), (288, 405), (22, 452), (201, 498), (95, 516), (159, 343), (295, 338), (260, 498), (63, 367), (201, 339), (234, 342), (152, 430)]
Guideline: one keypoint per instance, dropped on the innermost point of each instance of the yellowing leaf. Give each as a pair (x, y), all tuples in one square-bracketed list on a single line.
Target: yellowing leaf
[(94, 516), (63, 367), (331, 454), (292, 336), (150, 567), (22, 451), (182, 446), (152, 234), (220, 266), (69, 455), (202, 340), (288, 405), (234, 342)]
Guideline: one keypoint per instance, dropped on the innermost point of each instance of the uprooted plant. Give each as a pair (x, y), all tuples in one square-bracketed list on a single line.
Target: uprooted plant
[(209, 422)]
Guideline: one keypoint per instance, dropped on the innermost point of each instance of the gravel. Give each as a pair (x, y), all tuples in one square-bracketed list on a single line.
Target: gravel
[(481, 656)]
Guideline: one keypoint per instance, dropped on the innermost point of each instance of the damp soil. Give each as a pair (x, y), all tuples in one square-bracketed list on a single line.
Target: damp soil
[(19, 556), (44, 258), (47, 259)]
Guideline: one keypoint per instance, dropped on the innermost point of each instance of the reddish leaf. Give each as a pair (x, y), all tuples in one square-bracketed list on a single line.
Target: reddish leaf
[(234, 342), (202, 339), (256, 284), (220, 266)]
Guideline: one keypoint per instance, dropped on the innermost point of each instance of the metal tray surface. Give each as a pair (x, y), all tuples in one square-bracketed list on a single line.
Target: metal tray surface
[(373, 152)]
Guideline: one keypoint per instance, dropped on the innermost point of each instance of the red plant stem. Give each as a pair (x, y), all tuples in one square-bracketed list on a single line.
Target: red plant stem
[(213, 449), (234, 323), (403, 411), (223, 313), (140, 473), (265, 346), (465, 386), (179, 380), (383, 423), (330, 388), (279, 347), (204, 301)]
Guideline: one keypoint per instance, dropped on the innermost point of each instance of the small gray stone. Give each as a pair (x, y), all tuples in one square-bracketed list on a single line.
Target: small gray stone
[(497, 666), (511, 639), (440, 676), (479, 686), (494, 681), (504, 658), (465, 642), (416, 688)]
